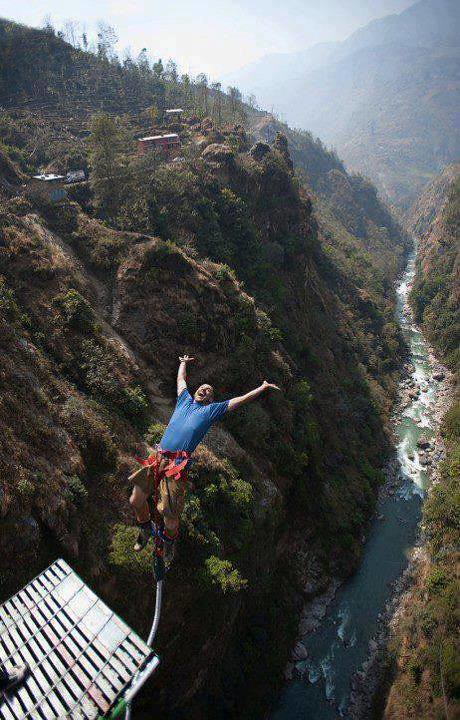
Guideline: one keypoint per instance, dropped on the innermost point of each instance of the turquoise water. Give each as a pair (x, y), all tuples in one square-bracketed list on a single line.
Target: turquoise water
[(341, 644)]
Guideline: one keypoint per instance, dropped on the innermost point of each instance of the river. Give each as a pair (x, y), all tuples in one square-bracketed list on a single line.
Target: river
[(340, 645)]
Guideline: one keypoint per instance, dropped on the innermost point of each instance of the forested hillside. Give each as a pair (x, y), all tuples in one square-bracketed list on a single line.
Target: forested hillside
[(436, 291), (356, 225), (386, 98), (426, 643), (37, 67), (220, 252)]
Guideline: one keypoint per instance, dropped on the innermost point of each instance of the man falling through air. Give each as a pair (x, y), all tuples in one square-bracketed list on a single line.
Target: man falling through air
[(164, 473)]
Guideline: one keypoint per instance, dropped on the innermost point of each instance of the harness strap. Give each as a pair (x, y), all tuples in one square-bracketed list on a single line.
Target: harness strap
[(178, 461)]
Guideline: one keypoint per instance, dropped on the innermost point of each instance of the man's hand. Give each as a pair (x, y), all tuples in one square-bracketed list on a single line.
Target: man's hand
[(235, 403), (266, 385), (182, 373)]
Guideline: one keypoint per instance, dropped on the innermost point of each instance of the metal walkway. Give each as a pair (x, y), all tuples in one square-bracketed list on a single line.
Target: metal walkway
[(82, 656)]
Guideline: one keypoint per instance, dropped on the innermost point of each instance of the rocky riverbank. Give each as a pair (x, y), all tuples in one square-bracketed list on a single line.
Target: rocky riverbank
[(366, 681)]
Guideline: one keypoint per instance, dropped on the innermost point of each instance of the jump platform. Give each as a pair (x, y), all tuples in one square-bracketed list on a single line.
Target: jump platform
[(85, 662)]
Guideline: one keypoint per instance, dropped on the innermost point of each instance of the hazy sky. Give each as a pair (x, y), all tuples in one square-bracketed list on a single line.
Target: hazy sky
[(212, 36)]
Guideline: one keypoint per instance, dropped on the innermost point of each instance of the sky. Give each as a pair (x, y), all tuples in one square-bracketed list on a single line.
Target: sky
[(211, 36)]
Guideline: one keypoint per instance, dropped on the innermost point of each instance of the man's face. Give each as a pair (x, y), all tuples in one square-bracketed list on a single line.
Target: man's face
[(204, 394)]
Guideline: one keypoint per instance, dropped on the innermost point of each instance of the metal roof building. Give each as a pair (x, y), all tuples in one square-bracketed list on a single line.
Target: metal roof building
[(167, 142), (48, 177)]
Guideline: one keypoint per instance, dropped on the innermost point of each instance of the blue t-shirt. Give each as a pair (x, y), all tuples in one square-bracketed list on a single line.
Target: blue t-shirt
[(190, 422)]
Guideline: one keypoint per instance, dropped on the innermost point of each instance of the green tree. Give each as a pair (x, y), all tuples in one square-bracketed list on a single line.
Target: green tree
[(153, 110), (202, 94), (186, 91), (109, 172), (217, 102), (143, 62), (235, 103), (158, 69)]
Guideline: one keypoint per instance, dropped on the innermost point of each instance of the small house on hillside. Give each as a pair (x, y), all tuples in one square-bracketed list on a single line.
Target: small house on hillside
[(48, 186), (167, 143), (174, 113)]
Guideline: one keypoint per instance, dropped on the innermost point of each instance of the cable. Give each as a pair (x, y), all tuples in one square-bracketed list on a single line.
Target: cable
[(152, 635)]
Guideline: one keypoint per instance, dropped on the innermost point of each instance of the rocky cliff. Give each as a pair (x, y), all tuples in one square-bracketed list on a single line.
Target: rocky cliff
[(436, 291)]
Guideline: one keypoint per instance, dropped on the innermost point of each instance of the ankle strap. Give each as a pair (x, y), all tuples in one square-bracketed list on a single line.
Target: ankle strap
[(166, 537)]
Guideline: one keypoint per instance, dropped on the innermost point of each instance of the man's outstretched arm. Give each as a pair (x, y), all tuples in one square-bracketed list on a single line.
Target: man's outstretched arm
[(236, 402), (182, 373)]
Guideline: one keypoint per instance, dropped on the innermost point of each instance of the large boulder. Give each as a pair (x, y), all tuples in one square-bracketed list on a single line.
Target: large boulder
[(423, 443), (206, 125), (259, 150), (218, 154), (281, 146)]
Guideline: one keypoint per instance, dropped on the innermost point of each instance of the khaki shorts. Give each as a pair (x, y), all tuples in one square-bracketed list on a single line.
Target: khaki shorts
[(171, 492)]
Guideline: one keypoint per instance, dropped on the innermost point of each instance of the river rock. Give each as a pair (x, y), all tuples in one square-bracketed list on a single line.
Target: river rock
[(439, 376), (423, 443), (411, 457), (314, 611), (300, 652)]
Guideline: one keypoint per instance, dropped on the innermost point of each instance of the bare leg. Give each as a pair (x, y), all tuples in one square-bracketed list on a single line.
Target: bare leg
[(170, 505), (138, 502)]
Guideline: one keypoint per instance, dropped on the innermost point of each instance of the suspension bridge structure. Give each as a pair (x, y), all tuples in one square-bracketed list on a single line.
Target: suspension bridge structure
[(85, 662)]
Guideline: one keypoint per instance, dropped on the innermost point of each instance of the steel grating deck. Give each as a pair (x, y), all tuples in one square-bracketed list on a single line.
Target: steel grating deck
[(82, 656)]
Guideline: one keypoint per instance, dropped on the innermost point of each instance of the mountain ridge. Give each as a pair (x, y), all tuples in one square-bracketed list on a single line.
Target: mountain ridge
[(331, 52), (390, 109)]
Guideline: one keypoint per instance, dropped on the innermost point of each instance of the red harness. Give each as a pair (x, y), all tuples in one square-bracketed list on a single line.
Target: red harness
[(178, 461), (173, 469)]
